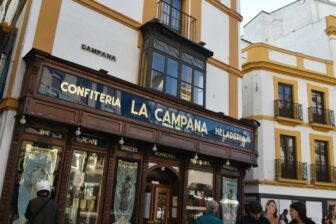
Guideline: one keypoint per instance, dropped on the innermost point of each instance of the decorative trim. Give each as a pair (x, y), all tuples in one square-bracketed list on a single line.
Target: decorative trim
[(293, 83), (288, 121), (18, 50), (223, 66), (330, 25), (231, 12), (291, 184), (325, 92), (296, 134), (9, 103)]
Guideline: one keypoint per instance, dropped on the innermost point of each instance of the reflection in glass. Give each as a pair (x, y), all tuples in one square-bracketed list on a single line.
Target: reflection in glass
[(158, 62), (185, 91), (198, 96), (172, 68), (198, 79), (84, 189), (229, 202), (161, 208), (186, 73), (200, 190), (157, 80), (171, 87), (36, 161)]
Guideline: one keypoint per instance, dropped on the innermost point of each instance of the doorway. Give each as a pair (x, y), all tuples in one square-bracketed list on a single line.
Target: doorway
[(162, 196)]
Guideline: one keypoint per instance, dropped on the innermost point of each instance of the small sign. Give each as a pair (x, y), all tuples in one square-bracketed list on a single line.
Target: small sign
[(98, 52), (128, 148), (91, 141), (165, 155)]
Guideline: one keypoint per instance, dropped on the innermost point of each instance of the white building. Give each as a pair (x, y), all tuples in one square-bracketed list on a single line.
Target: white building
[(289, 86), (131, 109)]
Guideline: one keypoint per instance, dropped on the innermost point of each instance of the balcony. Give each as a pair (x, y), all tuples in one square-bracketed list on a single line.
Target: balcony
[(176, 20), (322, 173), (290, 170), (288, 112), (321, 119)]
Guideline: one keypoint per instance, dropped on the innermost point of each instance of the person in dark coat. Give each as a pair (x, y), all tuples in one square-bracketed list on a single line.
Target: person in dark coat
[(298, 213), (42, 209), (254, 215), (326, 220), (285, 213), (209, 217)]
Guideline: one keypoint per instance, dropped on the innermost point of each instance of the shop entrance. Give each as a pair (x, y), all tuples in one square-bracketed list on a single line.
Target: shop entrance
[(162, 196)]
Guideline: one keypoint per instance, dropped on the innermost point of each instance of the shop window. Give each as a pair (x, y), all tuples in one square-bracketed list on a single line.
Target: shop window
[(200, 190), (36, 161), (230, 199), (125, 192), (175, 73), (84, 189)]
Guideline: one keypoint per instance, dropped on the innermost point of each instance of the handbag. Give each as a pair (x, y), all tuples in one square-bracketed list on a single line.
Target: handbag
[(38, 212)]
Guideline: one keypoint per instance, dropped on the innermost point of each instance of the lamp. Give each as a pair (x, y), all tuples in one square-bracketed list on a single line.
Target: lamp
[(23, 120), (121, 141), (154, 148), (78, 132), (163, 168), (227, 162), (196, 156)]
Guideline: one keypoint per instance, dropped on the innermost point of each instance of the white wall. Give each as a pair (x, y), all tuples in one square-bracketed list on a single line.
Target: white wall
[(130, 8), (217, 90), (227, 3), (91, 28), (216, 35)]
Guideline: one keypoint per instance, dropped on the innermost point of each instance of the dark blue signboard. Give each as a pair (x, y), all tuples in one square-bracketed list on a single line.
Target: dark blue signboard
[(64, 86)]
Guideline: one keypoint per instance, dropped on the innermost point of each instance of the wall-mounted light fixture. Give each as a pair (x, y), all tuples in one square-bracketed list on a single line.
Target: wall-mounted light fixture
[(23, 120), (121, 141), (78, 132), (154, 148), (227, 162), (196, 156)]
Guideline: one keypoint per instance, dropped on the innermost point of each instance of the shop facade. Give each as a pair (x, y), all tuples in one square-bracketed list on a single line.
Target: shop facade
[(118, 153)]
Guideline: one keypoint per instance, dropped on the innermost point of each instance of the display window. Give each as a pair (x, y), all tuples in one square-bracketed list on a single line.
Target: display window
[(36, 161), (85, 186), (200, 190), (230, 199), (125, 192)]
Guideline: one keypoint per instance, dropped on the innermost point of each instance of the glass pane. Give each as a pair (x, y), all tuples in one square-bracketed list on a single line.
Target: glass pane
[(198, 79), (37, 161), (123, 209), (157, 80), (229, 202), (200, 190), (172, 68), (83, 198), (186, 73), (185, 91), (161, 208), (198, 96), (158, 62), (171, 87)]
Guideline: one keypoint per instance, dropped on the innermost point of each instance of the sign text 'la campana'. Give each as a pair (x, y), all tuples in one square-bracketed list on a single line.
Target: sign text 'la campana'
[(99, 52)]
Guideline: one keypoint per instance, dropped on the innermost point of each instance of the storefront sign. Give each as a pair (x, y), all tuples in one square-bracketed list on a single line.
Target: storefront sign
[(98, 52), (129, 148), (63, 86), (85, 139), (165, 155)]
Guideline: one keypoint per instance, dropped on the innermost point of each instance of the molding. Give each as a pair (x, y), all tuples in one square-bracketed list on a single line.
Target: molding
[(223, 66), (231, 12), (18, 50), (321, 127), (9, 103), (324, 90), (297, 134), (292, 184), (293, 83), (329, 140), (330, 25), (46, 25), (290, 71), (288, 121)]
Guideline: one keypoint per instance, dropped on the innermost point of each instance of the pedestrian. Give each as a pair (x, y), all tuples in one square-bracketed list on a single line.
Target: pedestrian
[(326, 220), (271, 212), (282, 219), (254, 215), (42, 209), (298, 214), (332, 214), (285, 213), (209, 217)]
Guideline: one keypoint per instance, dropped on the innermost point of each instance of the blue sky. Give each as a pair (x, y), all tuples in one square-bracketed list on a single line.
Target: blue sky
[(250, 8)]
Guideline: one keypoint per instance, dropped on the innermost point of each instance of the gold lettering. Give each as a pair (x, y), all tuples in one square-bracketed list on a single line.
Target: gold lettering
[(96, 95), (80, 91), (158, 110), (197, 126), (166, 118), (184, 120), (176, 120), (143, 110), (102, 97), (63, 88), (117, 102), (190, 124), (109, 99), (72, 89), (204, 128)]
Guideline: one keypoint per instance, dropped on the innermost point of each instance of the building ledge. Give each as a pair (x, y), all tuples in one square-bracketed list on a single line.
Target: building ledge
[(9, 104), (325, 184), (321, 127), (300, 183), (288, 121)]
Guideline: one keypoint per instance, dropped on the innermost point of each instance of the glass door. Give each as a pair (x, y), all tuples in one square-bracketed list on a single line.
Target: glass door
[(84, 189), (318, 106), (162, 206)]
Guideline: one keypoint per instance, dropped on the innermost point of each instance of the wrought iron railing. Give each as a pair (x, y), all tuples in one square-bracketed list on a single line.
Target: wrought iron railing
[(288, 109), (322, 173), (290, 170), (322, 116), (176, 20)]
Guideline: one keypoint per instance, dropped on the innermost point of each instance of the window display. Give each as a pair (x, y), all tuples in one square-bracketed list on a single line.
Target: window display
[(229, 202), (84, 191), (36, 161), (200, 190), (125, 192)]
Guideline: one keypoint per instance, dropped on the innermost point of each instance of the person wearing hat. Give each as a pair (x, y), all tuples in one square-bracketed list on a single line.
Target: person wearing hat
[(42, 209), (209, 217)]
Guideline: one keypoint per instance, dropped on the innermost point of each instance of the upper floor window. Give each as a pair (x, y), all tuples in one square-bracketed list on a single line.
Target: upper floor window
[(321, 161), (318, 106), (288, 157), (175, 72), (172, 14), (285, 100)]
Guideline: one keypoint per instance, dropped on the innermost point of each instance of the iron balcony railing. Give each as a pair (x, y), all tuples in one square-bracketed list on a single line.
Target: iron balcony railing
[(176, 20), (322, 116), (290, 170), (288, 109), (322, 173)]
